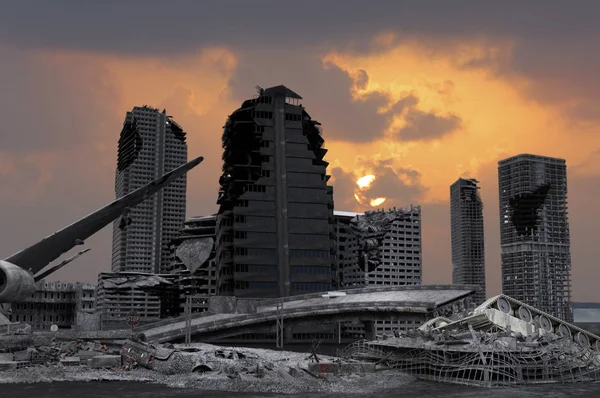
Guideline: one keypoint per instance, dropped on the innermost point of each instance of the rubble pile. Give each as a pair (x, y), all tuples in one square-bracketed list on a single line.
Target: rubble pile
[(71, 353), (200, 366), (510, 344), (253, 370)]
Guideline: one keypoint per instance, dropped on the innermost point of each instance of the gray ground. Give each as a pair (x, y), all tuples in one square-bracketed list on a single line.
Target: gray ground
[(273, 382), (58, 381), (409, 390)]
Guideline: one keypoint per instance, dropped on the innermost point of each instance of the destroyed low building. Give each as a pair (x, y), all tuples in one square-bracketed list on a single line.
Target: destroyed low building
[(193, 252), (119, 293), (55, 303), (502, 342)]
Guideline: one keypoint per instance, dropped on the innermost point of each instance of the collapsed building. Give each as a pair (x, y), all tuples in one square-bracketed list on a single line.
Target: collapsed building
[(120, 293), (389, 248), (55, 303), (380, 248), (502, 342), (194, 263)]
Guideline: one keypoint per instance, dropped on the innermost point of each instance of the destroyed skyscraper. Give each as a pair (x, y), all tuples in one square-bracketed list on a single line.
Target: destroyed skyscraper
[(534, 232), (151, 144), (384, 249), (388, 248), (275, 220), (466, 217)]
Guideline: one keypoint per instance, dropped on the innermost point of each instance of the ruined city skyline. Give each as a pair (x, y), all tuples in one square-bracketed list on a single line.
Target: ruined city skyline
[(319, 249), (501, 82)]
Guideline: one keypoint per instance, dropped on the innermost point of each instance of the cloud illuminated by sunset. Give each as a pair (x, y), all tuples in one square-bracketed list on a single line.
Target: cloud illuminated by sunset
[(365, 181), (403, 114), (377, 202), (454, 80), (360, 194)]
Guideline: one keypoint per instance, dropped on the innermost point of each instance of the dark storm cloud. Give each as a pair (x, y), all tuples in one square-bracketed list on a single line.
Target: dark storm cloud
[(555, 41), (435, 227), (326, 92), (156, 26), (204, 142), (584, 244), (426, 126), (562, 71), (21, 178), (388, 184), (344, 184), (43, 106), (591, 163), (361, 79), (401, 185)]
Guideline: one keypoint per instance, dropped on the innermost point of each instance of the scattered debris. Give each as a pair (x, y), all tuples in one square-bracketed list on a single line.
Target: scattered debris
[(70, 353), (503, 342), (202, 366)]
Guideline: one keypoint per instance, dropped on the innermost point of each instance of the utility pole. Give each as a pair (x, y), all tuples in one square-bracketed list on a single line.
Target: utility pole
[(188, 319), (279, 325)]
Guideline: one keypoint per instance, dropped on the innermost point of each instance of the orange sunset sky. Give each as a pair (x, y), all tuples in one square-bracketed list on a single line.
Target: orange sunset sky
[(415, 94)]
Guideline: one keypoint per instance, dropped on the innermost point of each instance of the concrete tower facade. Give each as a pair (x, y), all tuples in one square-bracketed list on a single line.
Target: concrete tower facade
[(379, 248), (466, 218), (275, 221), (151, 144), (534, 232)]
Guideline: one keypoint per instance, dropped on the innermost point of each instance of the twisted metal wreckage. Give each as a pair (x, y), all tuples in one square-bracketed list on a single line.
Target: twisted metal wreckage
[(503, 342), (371, 228)]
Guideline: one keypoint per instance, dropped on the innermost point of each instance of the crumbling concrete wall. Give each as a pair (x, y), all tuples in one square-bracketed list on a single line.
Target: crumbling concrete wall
[(87, 321), (222, 304), (232, 305)]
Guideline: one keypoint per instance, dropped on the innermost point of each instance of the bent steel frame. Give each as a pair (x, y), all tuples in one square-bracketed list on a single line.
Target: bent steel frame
[(502, 342)]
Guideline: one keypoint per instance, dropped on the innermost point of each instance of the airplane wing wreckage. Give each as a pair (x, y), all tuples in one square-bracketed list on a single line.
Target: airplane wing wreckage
[(19, 272)]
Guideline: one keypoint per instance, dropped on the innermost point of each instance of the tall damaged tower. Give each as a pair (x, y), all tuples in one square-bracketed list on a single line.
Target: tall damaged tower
[(466, 218), (275, 220), (151, 144), (534, 233)]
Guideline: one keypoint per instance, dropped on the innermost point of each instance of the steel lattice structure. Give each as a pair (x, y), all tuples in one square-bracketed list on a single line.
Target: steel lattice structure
[(503, 342)]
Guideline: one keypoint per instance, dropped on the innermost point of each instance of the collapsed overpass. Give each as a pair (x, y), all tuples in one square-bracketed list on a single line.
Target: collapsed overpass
[(230, 316)]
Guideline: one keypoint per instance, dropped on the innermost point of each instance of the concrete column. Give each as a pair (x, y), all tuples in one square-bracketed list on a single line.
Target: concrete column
[(369, 329)]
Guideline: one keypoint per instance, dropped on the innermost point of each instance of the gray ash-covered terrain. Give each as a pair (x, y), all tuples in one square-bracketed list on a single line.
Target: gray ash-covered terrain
[(200, 367)]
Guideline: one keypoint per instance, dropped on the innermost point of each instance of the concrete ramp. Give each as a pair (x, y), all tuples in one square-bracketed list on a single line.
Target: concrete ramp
[(230, 316)]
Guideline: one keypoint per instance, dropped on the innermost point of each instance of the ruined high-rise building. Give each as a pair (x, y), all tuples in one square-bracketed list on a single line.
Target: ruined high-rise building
[(534, 232), (151, 144), (275, 220), (379, 248), (388, 248), (466, 217)]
